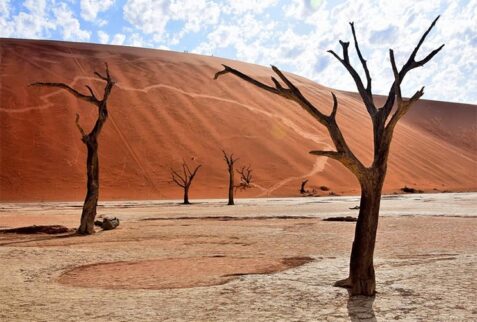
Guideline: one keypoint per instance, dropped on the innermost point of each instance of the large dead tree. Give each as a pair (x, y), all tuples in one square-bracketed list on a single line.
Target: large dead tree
[(229, 159), (184, 180), (361, 279), (91, 141)]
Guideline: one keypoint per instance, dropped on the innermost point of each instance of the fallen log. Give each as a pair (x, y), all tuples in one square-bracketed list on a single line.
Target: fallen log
[(107, 223)]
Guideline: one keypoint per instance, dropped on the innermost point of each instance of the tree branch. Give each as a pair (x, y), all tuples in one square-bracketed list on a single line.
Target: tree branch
[(92, 93), (82, 96), (330, 154), (229, 159), (397, 80), (177, 178), (292, 93), (412, 57), (194, 172), (247, 78), (83, 134), (363, 61), (335, 106), (410, 64), (403, 108), (365, 93)]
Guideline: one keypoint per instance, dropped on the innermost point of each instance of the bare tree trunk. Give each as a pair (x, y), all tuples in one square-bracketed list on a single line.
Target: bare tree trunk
[(229, 159), (92, 189), (186, 195), (231, 186), (361, 263)]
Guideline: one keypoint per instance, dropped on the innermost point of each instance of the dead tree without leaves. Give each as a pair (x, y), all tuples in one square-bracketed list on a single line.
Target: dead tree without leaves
[(302, 187), (91, 141), (230, 160), (184, 180), (245, 178), (361, 278)]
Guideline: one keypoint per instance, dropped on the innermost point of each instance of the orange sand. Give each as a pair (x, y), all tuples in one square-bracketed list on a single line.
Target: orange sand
[(166, 107), (174, 272)]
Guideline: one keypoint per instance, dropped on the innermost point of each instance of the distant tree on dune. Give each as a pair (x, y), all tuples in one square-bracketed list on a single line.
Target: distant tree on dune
[(184, 179), (361, 279), (91, 141), (245, 178), (302, 186), (229, 159)]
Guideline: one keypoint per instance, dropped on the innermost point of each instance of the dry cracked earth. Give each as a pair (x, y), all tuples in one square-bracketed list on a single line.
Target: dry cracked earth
[(261, 260)]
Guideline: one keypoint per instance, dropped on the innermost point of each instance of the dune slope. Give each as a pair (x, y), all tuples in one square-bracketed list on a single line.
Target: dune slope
[(166, 108)]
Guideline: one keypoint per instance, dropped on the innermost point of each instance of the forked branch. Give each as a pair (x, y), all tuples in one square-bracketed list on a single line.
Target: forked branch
[(229, 159), (410, 64), (91, 98), (365, 93), (185, 179)]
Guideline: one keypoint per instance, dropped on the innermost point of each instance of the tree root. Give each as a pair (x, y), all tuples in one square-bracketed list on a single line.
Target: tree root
[(345, 283)]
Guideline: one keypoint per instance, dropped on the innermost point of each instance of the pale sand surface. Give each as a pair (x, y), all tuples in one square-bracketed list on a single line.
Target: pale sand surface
[(425, 262)]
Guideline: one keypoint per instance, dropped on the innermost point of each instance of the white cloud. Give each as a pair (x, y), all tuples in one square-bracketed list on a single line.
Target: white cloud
[(91, 8), (292, 34), (196, 15), (38, 19), (5, 8), (70, 26), (118, 39), (103, 37), (243, 6), (32, 23), (35, 6), (150, 17), (137, 40)]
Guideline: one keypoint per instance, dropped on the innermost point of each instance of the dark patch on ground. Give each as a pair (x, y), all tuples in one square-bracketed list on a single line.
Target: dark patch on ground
[(50, 229), (347, 218), (407, 189)]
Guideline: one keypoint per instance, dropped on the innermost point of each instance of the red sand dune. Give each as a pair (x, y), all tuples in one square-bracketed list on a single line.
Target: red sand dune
[(166, 107)]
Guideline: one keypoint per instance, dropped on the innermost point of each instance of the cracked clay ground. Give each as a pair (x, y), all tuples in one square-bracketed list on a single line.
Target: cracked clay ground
[(425, 262)]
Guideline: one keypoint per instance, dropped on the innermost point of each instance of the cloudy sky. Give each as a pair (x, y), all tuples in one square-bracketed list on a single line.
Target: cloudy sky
[(292, 34)]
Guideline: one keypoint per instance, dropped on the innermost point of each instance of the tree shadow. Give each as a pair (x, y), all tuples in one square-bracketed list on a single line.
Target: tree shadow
[(17, 239), (360, 308)]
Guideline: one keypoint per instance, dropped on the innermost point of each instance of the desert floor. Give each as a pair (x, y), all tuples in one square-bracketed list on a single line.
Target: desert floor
[(212, 262)]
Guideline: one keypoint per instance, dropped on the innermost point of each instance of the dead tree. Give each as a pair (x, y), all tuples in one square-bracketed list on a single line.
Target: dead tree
[(91, 141), (184, 180), (302, 187), (361, 279), (245, 178), (229, 159)]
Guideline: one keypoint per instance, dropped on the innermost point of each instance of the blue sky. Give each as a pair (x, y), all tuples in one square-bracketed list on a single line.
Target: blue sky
[(292, 34)]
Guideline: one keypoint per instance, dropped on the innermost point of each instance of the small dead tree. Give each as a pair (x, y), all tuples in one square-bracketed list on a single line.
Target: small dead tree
[(91, 141), (361, 279), (302, 187), (245, 178), (184, 180), (229, 159)]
